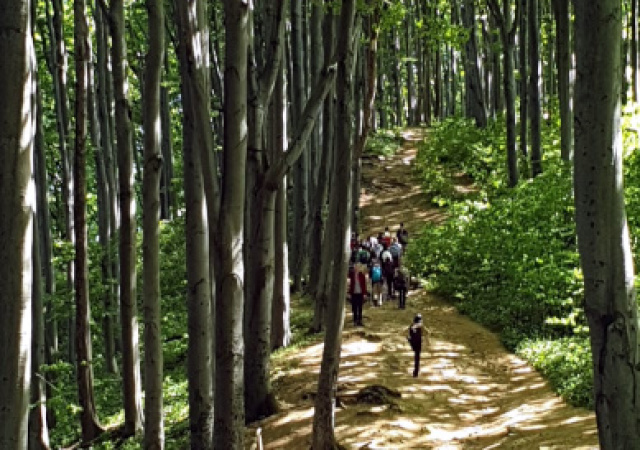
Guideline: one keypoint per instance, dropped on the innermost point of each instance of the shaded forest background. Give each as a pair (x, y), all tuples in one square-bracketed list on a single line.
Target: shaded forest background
[(195, 163)]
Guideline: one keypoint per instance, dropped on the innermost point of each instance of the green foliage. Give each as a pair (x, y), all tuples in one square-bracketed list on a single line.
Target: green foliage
[(383, 143), (507, 257)]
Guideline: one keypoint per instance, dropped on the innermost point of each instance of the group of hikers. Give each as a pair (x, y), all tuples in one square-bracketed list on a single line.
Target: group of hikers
[(378, 260)]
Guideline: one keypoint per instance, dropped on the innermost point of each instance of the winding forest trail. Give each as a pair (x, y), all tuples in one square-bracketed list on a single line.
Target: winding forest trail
[(471, 393)]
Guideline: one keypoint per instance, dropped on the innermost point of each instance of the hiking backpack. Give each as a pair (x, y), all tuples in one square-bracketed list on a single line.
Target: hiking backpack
[(376, 273)]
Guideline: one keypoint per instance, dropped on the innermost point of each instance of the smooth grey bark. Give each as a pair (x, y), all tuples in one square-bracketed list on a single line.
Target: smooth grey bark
[(59, 67), (17, 205), (522, 69), (152, 121), (167, 197), (337, 239), (104, 223), (603, 234), (229, 399), (534, 88), (38, 429), (84, 354), (280, 312), (633, 18), (200, 359), (408, 35), (508, 26), (474, 97), (318, 220), (395, 76), (563, 43), (301, 172), (132, 385)]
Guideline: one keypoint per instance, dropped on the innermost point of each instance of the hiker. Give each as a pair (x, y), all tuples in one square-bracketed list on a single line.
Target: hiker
[(354, 242), (363, 255), (357, 291), (375, 274), (400, 284), (388, 272), (402, 235), (386, 237), (415, 340), (396, 252)]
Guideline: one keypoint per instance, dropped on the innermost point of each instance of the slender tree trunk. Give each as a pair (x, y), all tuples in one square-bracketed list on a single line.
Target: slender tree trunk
[(132, 388), (475, 105), (534, 88), (167, 198), (524, 95), (84, 357), (16, 221), (280, 325), (230, 415), (154, 426), (634, 41), (337, 238), (603, 234), (200, 363), (563, 42), (301, 173)]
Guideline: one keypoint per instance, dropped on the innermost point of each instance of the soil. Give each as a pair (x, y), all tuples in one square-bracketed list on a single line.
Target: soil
[(470, 394)]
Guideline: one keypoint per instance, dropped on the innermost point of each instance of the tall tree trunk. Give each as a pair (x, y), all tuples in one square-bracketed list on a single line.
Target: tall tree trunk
[(337, 238), (634, 42), (154, 426), (280, 325), (200, 363), (563, 42), (167, 198), (16, 221), (474, 97), (395, 75), (603, 235), (84, 356), (301, 173), (508, 27), (38, 429), (534, 88), (132, 388), (230, 415), (524, 95), (59, 74)]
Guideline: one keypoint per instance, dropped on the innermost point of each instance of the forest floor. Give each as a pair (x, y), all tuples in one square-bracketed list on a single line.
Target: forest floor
[(471, 393)]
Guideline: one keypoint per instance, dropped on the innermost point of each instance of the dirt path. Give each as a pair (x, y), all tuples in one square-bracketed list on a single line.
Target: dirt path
[(471, 393)]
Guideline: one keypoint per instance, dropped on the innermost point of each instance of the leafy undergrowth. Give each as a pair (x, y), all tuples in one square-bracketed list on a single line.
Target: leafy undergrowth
[(508, 257)]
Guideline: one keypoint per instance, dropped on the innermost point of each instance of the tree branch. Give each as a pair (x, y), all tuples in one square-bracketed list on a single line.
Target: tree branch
[(307, 122)]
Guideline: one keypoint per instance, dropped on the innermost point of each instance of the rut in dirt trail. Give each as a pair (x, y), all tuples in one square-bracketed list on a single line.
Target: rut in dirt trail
[(471, 393)]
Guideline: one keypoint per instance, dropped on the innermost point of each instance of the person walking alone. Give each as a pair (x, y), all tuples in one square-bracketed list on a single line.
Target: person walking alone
[(415, 340), (357, 291)]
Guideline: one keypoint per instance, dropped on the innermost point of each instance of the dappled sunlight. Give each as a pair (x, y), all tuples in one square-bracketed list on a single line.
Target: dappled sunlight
[(470, 393)]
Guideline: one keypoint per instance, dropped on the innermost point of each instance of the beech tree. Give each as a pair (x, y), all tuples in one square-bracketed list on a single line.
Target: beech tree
[(16, 219), (338, 234), (603, 235)]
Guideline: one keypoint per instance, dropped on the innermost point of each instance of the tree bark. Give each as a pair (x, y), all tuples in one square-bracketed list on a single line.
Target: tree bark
[(200, 361), (534, 88), (84, 355), (230, 414), (132, 388), (16, 220), (474, 97), (337, 238), (563, 42), (603, 235), (154, 426)]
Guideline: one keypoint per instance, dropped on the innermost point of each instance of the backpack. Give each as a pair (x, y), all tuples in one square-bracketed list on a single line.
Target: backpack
[(376, 273), (400, 281), (363, 256), (395, 251)]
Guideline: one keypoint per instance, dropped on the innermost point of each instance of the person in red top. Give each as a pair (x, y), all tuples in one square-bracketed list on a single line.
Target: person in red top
[(357, 291), (386, 237)]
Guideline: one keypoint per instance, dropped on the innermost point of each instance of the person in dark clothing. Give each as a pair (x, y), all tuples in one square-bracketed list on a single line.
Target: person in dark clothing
[(400, 285), (415, 340), (387, 273), (357, 291)]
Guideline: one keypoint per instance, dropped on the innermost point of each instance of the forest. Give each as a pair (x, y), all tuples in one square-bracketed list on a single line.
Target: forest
[(180, 181)]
